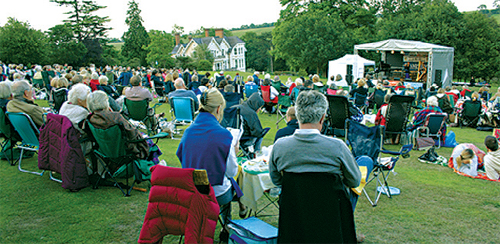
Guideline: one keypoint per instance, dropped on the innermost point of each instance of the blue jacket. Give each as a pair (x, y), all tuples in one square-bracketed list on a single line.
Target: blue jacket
[(206, 145)]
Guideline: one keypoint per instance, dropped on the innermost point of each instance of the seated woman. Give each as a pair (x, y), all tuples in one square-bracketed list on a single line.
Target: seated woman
[(207, 145), (102, 117), (76, 106), (444, 101), (360, 89), (420, 116), (467, 158), (110, 90), (354, 112)]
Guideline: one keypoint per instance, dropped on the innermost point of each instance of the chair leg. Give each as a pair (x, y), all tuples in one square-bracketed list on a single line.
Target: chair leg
[(23, 170), (53, 178)]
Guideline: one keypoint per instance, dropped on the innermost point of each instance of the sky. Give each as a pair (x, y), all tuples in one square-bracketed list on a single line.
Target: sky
[(163, 15)]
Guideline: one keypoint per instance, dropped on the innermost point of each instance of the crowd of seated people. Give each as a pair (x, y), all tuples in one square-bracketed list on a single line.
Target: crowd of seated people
[(95, 84)]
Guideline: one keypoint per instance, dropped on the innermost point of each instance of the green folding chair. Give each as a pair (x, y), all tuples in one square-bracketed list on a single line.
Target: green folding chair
[(139, 111), (11, 137), (28, 132), (117, 163), (284, 102)]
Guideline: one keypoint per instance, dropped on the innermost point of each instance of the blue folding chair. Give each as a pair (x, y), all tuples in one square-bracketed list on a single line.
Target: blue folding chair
[(433, 124), (251, 89), (28, 131), (183, 109), (368, 141)]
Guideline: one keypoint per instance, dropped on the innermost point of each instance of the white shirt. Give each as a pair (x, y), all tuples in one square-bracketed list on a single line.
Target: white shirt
[(492, 165), (231, 171)]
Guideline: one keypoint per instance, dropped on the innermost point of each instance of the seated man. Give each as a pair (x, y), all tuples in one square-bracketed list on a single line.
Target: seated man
[(307, 150), (181, 91), (232, 98), (24, 102), (137, 92), (492, 158), (76, 106), (291, 125)]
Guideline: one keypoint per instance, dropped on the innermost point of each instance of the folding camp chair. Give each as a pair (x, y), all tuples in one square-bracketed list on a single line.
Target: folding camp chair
[(59, 96), (367, 141), (360, 101), (470, 113), (231, 118), (398, 112), (284, 102), (11, 137), (28, 132), (338, 112), (115, 160), (266, 96), (182, 111), (432, 127), (140, 111), (232, 98), (251, 89)]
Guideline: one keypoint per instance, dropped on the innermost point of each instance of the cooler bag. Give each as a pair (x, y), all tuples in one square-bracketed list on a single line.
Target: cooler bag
[(251, 231)]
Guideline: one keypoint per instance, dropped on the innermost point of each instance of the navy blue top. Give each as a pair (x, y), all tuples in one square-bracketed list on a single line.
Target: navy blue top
[(206, 145)]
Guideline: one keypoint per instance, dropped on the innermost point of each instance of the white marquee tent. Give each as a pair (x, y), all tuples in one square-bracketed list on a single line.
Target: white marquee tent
[(339, 66), (440, 58)]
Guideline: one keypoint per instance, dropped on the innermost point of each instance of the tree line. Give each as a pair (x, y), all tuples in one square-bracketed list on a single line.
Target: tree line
[(306, 36)]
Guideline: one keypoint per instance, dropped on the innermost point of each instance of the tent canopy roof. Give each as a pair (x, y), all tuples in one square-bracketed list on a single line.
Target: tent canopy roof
[(403, 45), (354, 58)]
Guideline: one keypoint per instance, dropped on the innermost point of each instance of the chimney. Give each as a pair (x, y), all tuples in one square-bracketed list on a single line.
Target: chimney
[(206, 32), (219, 32), (177, 38), (190, 37)]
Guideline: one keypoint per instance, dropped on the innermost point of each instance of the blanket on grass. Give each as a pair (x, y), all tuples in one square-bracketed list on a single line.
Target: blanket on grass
[(442, 161)]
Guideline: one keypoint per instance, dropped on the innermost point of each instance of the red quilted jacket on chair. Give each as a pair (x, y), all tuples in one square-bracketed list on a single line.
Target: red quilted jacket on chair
[(176, 207)]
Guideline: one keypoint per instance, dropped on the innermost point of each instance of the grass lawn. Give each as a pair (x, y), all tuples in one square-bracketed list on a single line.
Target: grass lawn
[(435, 205), (258, 31)]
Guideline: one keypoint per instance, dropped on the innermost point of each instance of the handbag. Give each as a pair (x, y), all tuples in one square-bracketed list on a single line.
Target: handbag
[(423, 143)]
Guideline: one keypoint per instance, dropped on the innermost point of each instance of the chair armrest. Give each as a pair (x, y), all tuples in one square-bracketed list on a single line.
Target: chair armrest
[(156, 105), (157, 136)]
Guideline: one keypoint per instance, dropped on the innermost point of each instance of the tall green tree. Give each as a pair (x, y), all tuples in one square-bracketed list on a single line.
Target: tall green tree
[(258, 56), (20, 43), (85, 24), (311, 39), (160, 49), (64, 48), (87, 27), (136, 37)]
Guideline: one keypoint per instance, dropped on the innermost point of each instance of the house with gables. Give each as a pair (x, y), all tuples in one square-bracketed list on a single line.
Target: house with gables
[(228, 51)]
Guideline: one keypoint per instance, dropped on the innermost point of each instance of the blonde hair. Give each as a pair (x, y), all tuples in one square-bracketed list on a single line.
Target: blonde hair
[(210, 100), (361, 82), (465, 155), (169, 77), (441, 91), (474, 96), (315, 78), (54, 82), (249, 78)]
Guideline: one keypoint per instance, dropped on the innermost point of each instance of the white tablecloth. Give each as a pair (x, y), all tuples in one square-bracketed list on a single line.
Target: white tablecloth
[(253, 188)]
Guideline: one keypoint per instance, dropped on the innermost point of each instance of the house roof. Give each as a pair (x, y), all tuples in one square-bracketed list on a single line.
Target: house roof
[(177, 47)]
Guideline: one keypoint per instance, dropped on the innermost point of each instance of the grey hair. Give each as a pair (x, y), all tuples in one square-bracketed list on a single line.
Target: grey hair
[(432, 101), (5, 91), (78, 91), (95, 76), (18, 88), (103, 79), (310, 107), (97, 100)]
